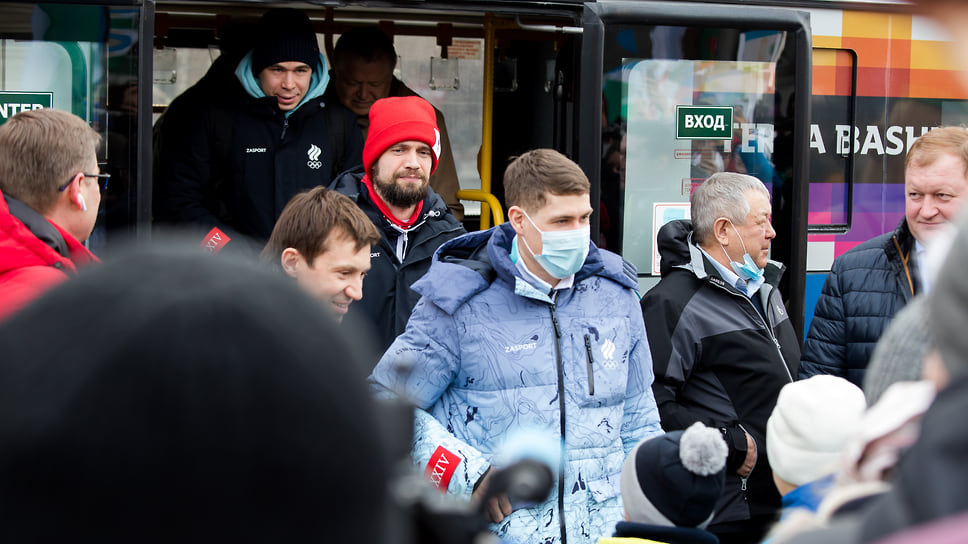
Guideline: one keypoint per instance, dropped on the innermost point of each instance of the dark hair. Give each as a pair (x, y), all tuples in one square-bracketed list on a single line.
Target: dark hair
[(309, 218), (367, 43), (172, 396), (536, 173)]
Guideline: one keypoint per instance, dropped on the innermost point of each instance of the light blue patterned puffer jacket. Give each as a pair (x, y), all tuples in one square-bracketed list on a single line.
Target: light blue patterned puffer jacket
[(480, 356)]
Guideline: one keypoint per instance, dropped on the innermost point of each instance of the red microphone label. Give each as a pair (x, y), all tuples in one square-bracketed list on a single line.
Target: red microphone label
[(214, 241), (441, 468)]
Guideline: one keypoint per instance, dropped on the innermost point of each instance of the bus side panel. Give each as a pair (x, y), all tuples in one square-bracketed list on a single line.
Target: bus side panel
[(906, 85)]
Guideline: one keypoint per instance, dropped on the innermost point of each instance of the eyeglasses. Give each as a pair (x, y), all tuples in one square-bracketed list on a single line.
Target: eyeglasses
[(102, 181)]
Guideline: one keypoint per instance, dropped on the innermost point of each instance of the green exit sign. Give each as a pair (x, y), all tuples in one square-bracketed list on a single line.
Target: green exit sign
[(704, 122), (14, 102)]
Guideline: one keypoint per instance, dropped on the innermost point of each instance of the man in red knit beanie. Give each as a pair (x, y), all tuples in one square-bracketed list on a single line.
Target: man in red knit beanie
[(393, 188)]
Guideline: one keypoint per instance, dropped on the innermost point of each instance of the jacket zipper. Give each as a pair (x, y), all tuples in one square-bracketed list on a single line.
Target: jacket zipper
[(285, 127), (407, 247), (769, 330), (402, 242), (561, 416), (743, 479), (591, 370), (766, 325)]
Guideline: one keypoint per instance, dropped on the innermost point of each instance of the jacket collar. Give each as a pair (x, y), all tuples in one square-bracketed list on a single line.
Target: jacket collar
[(38, 225), (28, 240), (900, 238)]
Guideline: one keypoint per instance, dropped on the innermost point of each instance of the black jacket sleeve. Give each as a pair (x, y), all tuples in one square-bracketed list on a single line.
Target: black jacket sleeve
[(185, 185)]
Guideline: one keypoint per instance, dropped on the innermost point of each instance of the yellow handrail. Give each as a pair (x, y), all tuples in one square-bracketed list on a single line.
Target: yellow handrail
[(487, 198), (487, 111)]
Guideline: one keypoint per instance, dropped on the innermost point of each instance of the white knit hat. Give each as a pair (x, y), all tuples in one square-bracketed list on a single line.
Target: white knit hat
[(810, 425)]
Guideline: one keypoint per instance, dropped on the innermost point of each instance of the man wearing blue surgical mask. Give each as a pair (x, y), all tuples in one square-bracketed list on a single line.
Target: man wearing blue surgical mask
[(528, 326), (722, 343), (562, 240)]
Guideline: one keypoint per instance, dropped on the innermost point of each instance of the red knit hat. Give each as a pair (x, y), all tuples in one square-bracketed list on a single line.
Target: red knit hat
[(398, 119)]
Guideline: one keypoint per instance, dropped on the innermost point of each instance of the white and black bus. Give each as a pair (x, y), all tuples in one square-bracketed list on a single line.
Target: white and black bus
[(648, 97)]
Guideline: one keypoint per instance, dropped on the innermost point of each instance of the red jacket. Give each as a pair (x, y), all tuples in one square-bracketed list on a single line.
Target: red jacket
[(28, 266)]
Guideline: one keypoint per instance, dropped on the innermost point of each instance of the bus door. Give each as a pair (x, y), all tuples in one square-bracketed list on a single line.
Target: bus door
[(687, 91)]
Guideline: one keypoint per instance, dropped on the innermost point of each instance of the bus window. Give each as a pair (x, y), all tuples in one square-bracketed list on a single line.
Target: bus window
[(183, 67), (831, 170), (696, 118), (692, 102), (178, 68), (81, 59)]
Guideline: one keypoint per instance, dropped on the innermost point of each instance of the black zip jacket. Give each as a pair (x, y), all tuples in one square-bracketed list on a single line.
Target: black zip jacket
[(241, 161), (718, 361), (387, 296)]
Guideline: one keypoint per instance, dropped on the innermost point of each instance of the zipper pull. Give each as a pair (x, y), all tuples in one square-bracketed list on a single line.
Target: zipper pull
[(285, 127), (591, 371), (743, 483), (554, 321)]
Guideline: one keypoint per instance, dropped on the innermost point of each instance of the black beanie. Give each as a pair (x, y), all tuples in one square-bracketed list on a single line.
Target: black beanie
[(170, 396), (284, 35), (675, 479)]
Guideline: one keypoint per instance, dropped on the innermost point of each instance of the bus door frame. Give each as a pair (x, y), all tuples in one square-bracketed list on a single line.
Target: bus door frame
[(796, 23)]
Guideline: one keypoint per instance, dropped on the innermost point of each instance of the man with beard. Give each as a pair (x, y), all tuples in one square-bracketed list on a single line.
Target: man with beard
[(393, 189), (363, 62)]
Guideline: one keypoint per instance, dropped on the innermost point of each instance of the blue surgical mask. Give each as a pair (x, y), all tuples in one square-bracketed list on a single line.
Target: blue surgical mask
[(747, 269), (563, 252)]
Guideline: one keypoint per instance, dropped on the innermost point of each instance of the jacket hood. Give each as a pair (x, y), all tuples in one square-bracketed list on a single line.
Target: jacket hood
[(674, 240), (317, 84), (468, 264)]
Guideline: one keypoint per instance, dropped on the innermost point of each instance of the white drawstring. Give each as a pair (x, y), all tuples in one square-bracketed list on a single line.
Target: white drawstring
[(404, 238)]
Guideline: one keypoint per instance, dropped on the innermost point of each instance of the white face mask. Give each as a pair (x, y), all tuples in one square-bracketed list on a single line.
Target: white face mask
[(563, 252)]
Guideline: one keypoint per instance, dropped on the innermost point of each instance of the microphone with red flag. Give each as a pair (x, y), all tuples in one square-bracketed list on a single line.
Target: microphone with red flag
[(214, 241)]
